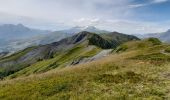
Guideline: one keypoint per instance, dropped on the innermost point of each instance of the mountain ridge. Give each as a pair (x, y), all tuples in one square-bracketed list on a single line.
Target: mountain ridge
[(14, 45), (79, 42)]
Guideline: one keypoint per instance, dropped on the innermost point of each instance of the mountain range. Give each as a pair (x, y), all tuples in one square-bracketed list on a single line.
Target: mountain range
[(61, 53), (163, 36), (18, 37), (11, 32), (12, 36)]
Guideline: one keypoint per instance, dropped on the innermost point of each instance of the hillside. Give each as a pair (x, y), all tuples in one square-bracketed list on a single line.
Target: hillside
[(135, 70), (39, 59)]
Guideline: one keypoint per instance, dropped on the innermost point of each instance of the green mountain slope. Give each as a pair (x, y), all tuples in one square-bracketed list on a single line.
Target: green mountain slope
[(42, 58), (140, 71)]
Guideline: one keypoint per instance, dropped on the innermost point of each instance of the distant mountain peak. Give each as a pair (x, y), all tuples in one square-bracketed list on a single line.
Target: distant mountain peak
[(20, 25), (16, 27), (90, 27), (84, 27), (85, 34), (18, 31), (78, 29), (168, 30), (13, 25)]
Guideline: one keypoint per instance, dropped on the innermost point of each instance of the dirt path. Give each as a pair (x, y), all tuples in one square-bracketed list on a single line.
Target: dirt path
[(165, 53)]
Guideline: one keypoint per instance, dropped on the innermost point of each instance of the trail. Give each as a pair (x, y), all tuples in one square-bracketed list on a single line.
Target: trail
[(165, 53)]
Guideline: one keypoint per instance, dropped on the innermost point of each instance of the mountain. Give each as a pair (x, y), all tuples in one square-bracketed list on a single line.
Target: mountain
[(164, 36), (17, 37), (25, 37), (42, 39), (78, 29), (11, 32), (135, 70), (61, 53)]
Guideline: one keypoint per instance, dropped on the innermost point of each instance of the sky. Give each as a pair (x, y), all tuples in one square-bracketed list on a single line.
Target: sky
[(127, 16)]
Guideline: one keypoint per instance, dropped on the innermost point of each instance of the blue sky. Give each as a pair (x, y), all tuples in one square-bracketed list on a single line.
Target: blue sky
[(153, 11), (127, 16)]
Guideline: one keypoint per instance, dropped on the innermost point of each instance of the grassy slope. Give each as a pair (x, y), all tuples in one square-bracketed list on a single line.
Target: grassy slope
[(118, 76), (8, 70), (59, 60), (16, 55), (23, 62)]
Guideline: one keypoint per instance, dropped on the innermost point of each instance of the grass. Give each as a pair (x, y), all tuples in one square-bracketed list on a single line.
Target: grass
[(58, 61), (128, 76), (115, 77), (155, 41), (155, 58), (91, 81), (122, 48), (16, 55), (167, 50), (103, 79), (7, 69)]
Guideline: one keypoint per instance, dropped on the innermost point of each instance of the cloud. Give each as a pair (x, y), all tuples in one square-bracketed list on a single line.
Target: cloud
[(64, 11), (114, 15), (150, 2), (137, 5), (159, 1), (124, 26)]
